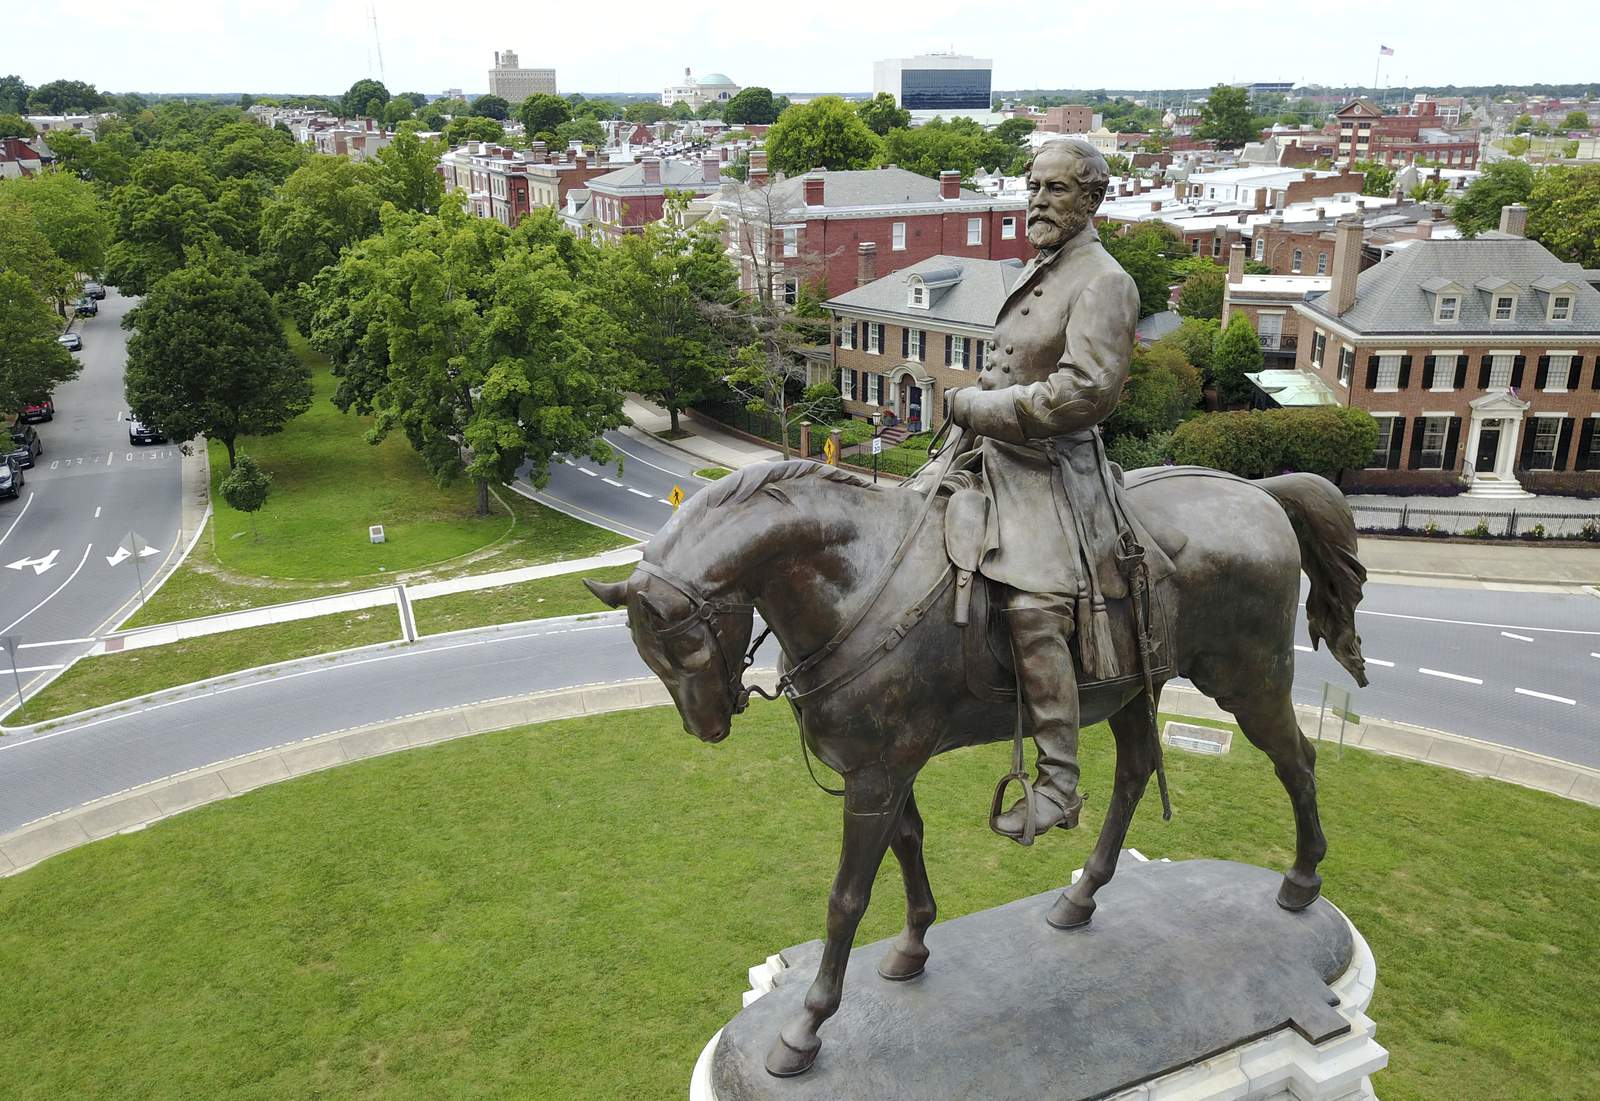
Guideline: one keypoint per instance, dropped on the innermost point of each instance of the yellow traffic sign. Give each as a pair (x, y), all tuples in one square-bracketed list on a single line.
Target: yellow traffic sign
[(675, 498), (830, 451)]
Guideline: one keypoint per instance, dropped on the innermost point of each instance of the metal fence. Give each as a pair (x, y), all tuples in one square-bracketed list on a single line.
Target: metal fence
[(1424, 519)]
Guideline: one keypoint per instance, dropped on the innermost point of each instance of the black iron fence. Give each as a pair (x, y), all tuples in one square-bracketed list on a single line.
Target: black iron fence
[(1413, 518)]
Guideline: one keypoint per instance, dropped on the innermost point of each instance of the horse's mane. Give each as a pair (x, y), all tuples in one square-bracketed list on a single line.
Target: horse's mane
[(740, 485)]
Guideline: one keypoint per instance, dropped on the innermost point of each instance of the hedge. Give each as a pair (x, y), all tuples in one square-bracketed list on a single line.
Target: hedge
[(1322, 439)]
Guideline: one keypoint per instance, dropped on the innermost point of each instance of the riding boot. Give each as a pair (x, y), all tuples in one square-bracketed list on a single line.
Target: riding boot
[(1041, 628)]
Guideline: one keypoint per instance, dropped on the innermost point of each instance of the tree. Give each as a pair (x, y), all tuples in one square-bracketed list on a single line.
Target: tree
[(1225, 118), (1564, 213), (677, 289), (710, 109), (14, 93), (407, 173), (1522, 122), (597, 109), (1197, 337), (327, 205), (825, 133), (68, 213), (1014, 131), (1119, 164), (473, 128), (245, 489), (208, 355), (1146, 253), (172, 206), (881, 114), (360, 96), (1202, 293), (1575, 120), (1238, 350), (681, 111), (647, 113), (492, 107), (396, 111), (584, 130), (542, 114), (1501, 184), (15, 126), (1162, 387), (751, 106), (1429, 190), (1377, 179), (64, 97), (32, 364), (1324, 439)]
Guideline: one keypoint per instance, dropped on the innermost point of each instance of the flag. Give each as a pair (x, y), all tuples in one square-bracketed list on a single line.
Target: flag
[(1384, 51)]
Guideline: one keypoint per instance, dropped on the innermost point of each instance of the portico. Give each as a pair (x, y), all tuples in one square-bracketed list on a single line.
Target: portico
[(911, 396), (1492, 439)]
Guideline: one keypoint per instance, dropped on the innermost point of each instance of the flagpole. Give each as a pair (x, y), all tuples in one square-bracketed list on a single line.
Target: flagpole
[(1376, 65)]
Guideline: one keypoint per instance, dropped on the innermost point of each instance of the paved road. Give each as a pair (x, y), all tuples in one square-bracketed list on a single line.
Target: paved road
[(634, 504), (88, 490)]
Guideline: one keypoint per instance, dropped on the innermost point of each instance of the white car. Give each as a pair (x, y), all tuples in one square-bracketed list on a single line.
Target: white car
[(72, 342), (139, 432)]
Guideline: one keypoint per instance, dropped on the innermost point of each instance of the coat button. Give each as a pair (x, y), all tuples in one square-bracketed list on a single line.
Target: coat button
[(1037, 291), (1006, 368), (1024, 311), (991, 345), (1008, 349)]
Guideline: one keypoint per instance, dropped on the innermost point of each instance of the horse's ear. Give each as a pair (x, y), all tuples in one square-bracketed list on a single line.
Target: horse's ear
[(614, 594)]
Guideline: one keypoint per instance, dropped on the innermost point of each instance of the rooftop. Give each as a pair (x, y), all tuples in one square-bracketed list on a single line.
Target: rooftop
[(961, 290), (845, 190)]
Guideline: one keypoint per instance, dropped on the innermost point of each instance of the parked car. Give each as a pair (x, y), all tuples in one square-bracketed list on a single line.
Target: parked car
[(86, 307), (39, 411), (25, 444), (10, 479), (72, 342), (94, 290), (139, 432)]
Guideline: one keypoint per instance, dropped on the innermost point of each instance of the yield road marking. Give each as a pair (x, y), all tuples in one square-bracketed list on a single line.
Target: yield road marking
[(1380, 661), (1519, 638), (1544, 696), (1449, 676), (18, 518), (39, 565), (7, 629)]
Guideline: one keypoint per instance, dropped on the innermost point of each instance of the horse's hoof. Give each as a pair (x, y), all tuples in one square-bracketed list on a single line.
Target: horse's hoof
[(1295, 896), (899, 966), (784, 1060), (1067, 914)]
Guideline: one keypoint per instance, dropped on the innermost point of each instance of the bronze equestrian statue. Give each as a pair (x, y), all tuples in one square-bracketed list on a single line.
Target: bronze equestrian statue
[(881, 598)]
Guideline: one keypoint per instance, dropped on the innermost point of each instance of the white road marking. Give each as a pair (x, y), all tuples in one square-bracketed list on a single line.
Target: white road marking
[(1519, 638), (1593, 654), (646, 462), (40, 564), (97, 512), (569, 462), (52, 596), (56, 642), (640, 492), (613, 482), (1303, 649), (1380, 661), (109, 456), (32, 669), (1544, 696), (587, 471), (664, 501), (1449, 676), (18, 518), (1474, 623)]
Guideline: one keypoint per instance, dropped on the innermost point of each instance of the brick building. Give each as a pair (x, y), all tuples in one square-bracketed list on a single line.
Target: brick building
[(1269, 302), (505, 184), (1479, 358), (902, 340), (1074, 118), (1365, 133), (625, 200), (835, 229)]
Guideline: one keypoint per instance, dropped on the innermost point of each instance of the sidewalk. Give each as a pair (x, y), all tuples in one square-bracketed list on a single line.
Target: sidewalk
[(704, 443), (1500, 561)]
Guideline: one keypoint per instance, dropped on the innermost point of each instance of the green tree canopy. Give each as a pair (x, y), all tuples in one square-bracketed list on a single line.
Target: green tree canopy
[(1501, 184), (32, 364), (327, 205), (1377, 179), (15, 126), (1238, 350), (825, 133), (1013, 131), (585, 130), (172, 206), (1146, 252), (14, 94), (1225, 117), (1201, 295), (751, 106), (598, 109), (1564, 213), (1522, 122), (361, 94), (1197, 336), (246, 486), (473, 128), (647, 113), (681, 111), (492, 107), (407, 172), (961, 144), (882, 115), (1323, 439), (208, 355), (542, 114), (69, 214), (64, 97), (1576, 120), (1162, 387), (396, 111)]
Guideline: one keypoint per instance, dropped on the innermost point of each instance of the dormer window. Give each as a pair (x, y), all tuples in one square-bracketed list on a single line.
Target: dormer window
[(1561, 307), (918, 295), (1449, 307), (1505, 307)]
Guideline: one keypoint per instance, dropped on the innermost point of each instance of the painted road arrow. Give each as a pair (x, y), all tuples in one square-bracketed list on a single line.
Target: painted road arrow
[(122, 552), (39, 564), (131, 542)]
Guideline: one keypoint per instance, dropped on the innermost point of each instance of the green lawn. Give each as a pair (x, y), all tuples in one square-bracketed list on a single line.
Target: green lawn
[(539, 599), (113, 677), (482, 919), (712, 473)]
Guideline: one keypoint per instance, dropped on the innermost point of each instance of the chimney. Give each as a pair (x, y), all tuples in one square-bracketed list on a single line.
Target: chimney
[(758, 169), (814, 187), (652, 170), (1236, 264), (1425, 229), (1322, 212), (710, 168), (1138, 185), (1261, 200), (866, 263), (1155, 204), (722, 154), (580, 161), (1307, 176), (1514, 220), (1346, 263), (950, 184)]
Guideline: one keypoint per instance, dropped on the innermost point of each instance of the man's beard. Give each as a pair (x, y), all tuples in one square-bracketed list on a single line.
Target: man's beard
[(1046, 231)]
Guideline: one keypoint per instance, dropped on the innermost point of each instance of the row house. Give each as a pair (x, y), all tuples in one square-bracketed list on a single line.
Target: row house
[(814, 229), (1300, 242), (18, 158), (1479, 358), (1269, 302), (625, 200), (505, 184), (901, 340), (360, 140), (1365, 133)]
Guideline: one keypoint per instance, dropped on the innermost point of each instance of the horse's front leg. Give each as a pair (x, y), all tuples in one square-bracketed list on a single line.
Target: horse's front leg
[(909, 953), (872, 806)]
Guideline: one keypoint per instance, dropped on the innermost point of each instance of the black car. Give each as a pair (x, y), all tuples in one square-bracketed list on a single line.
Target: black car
[(139, 432), (86, 307), (72, 342), (10, 479), (94, 290), (25, 444)]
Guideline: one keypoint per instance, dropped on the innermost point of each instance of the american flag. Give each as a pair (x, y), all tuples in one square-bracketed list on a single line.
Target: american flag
[(1384, 51)]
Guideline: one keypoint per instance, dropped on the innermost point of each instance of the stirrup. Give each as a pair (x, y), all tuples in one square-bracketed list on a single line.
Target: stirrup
[(995, 805)]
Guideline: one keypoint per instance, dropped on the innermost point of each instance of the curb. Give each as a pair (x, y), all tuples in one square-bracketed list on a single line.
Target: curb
[(134, 809)]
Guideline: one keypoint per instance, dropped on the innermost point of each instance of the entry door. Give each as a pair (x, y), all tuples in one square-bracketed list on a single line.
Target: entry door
[(901, 406), (1488, 449), (915, 416)]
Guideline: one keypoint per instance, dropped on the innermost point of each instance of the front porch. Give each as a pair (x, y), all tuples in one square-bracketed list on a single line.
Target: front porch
[(1489, 469)]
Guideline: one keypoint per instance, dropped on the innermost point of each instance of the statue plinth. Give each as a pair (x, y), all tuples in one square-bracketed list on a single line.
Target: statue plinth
[(1190, 982)]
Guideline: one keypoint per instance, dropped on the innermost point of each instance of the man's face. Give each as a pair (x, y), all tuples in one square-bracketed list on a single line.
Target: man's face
[(1056, 211)]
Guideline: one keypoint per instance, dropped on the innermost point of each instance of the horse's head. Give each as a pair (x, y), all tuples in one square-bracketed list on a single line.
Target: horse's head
[(694, 644)]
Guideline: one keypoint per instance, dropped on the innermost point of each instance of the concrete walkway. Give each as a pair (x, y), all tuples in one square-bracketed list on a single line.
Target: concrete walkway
[(1498, 562), (704, 443)]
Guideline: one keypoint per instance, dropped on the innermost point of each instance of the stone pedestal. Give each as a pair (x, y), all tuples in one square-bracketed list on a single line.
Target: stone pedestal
[(1190, 983)]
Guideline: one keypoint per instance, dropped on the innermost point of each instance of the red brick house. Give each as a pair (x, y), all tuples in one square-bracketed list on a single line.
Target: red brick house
[(625, 200), (1367, 134)]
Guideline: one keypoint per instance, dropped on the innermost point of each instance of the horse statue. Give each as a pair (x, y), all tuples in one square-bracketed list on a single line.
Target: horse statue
[(854, 581)]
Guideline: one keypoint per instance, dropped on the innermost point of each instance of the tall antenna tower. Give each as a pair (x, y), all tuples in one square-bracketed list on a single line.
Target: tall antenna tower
[(372, 12)]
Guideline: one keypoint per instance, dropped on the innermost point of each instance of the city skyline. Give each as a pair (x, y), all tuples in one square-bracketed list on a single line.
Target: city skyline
[(298, 47)]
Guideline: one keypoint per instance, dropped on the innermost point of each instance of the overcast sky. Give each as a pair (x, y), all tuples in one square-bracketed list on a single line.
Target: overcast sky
[(796, 45)]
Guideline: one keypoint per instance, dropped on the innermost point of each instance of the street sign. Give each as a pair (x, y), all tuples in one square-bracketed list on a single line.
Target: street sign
[(877, 445), (830, 451), (8, 645), (1341, 702), (675, 498)]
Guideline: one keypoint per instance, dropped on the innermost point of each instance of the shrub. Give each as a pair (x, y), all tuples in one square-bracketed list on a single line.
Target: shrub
[(826, 404), (1479, 531), (1135, 452), (1590, 532), (853, 432), (1323, 440)]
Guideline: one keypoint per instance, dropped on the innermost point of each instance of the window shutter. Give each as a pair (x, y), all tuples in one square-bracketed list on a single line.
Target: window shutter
[(1585, 443), (855, 386), (1461, 372), (1397, 435), (1516, 371), (1542, 374), (947, 339), (1427, 371), (1451, 439), (1484, 366), (1416, 443), (1594, 381), (966, 350), (905, 343), (1372, 372), (1405, 372), (859, 338), (1563, 442), (1528, 433)]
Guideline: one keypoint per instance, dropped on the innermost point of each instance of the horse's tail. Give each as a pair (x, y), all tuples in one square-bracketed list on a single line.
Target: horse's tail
[(1327, 534)]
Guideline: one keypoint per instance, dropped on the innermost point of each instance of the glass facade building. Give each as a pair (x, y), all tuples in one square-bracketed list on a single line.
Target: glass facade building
[(945, 89)]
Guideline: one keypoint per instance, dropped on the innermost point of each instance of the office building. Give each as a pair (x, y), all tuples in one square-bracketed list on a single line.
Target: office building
[(515, 84), (937, 82)]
